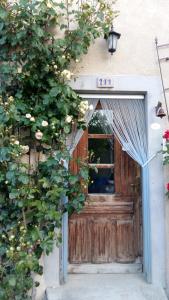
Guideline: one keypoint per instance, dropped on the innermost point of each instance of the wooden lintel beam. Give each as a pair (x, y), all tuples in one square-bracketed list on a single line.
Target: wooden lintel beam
[(100, 136), (102, 166)]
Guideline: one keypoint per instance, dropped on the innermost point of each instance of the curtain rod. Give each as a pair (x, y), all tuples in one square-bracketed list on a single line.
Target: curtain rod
[(108, 96)]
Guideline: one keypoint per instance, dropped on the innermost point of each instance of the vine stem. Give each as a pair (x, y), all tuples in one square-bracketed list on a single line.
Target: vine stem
[(24, 218), (67, 10)]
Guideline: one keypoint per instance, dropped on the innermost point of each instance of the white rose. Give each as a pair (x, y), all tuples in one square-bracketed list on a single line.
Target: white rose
[(82, 110), (91, 107), (32, 119), (11, 99), (84, 103), (38, 135), (66, 74), (84, 106), (81, 119), (28, 116), (19, 70), (68, 119), (16, 143), (55, 66), (49, 5), (45, 123), (25, 149), (11, 248)]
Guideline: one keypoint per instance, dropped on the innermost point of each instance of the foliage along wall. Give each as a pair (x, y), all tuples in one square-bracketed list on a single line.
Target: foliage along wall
[(37, 112)]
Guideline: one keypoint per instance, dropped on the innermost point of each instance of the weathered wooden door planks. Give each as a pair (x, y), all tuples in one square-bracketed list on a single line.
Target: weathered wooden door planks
[(109, 227)]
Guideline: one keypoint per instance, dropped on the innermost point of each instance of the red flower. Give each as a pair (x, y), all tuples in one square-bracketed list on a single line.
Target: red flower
[(168, 187), (166, 135)]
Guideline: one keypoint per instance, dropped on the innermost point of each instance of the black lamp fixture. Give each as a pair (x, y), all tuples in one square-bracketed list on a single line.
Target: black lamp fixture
[(112, 38), (159, 110)]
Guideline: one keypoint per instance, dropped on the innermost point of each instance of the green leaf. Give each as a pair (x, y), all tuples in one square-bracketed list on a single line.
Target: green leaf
[(10, 176), (2, 40), (13, 195), (2, 293), (84, 173), (2, 251), (3, 13), (47, 246), (4, 154), (12, 281), (54, 92), (73, 179), (24, 179), (5, 68), (66, 129), (34, 235), (2, 177), (57, 179), (39, 31), (46, 99)]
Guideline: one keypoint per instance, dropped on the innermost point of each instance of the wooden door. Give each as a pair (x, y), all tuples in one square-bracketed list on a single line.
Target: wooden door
[(109, 227)]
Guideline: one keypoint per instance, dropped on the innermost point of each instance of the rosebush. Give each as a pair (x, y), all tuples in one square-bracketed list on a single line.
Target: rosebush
[(38, 109)]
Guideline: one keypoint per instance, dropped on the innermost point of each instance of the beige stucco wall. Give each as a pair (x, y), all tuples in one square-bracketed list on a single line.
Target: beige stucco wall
[(139, 22)]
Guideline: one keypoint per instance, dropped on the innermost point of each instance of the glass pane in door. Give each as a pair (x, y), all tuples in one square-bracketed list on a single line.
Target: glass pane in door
[(101, 151), (101, 181), (99, 123)]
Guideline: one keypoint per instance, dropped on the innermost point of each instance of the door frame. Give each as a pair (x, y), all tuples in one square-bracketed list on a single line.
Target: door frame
[(150, 87), (147, 259)]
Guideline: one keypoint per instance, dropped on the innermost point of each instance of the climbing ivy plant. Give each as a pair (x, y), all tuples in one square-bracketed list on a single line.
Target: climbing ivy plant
[(40, 42)]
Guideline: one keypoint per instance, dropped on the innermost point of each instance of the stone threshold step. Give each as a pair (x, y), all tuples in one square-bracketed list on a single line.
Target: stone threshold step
[(106, 287), (109, 268)]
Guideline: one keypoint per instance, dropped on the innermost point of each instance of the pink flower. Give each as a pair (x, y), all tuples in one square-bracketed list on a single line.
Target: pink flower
[(168, 187), (38, 135), (166, 135)]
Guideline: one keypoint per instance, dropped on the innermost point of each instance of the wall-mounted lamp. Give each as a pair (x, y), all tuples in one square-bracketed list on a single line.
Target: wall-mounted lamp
[(112, 38), (160, 111)]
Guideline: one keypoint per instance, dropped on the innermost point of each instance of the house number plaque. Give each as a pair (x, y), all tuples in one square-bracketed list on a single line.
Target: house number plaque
[(104, 82)]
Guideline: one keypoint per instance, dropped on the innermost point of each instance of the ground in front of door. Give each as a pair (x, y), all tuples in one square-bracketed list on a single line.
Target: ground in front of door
[(106, 287)]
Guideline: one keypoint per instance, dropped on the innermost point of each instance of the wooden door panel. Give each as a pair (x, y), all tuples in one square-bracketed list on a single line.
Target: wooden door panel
[(80, 153), (101, 239), (109, 227), (138, 228), (125, 241), (126, 170), (104, 240), (80, 248)]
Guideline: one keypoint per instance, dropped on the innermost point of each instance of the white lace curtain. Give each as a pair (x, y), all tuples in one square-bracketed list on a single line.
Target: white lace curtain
[(76, 135), (126, 119)]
